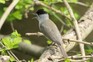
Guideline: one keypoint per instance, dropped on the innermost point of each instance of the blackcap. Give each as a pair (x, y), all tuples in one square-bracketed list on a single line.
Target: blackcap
[(50, 30)]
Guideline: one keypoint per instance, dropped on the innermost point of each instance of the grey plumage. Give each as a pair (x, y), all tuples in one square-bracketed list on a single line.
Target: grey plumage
[(50, 30)]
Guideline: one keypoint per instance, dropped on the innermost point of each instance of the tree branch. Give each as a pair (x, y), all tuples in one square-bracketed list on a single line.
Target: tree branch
[(85, 25), (76, 27), (51, 8), (7, 12)]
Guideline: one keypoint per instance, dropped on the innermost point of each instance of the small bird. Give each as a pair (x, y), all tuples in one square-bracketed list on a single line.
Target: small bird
[(50, 30)]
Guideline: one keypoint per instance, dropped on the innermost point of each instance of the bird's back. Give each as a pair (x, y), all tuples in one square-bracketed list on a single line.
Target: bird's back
[(51, 31)]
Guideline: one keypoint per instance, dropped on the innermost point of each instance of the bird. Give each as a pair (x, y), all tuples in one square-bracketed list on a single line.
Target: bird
[(50, 30)]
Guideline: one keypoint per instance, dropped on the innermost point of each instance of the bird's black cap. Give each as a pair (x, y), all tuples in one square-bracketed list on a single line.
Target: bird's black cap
[(41, 11)]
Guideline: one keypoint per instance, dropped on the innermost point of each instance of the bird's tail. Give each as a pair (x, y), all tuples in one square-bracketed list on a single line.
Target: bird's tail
[(63, 51)]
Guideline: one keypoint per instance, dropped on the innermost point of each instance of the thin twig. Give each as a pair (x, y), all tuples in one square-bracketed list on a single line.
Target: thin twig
[(71, 40), (27, 10), (10, 53), (12, 26), (62, 22), (14, 56), (36, 34), (82, 4), (76, 27), (77, 3), (50, 8), (7, 12), (78, 57), (79, 60), (78, 41), (62, 27)]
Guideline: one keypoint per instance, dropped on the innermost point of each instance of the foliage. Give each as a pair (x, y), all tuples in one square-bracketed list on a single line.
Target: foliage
[(67, 60), (27, 41), (49, 42), (2, 1), (32, 60), (58, 4), (12, 41), (89, 49), (19, 10)]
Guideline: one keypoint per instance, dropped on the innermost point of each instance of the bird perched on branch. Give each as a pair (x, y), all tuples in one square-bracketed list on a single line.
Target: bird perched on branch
[(50, 30)]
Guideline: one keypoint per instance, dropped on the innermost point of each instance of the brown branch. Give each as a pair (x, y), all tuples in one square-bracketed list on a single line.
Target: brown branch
[(27, 10), (78, 41), (50, 8), (36, 34), (9, 52), (69, 40), (60, 20), (76, 27), (82, 4), (12, 26), (7, 12), (79, 60), (86, 27), (77, 57)]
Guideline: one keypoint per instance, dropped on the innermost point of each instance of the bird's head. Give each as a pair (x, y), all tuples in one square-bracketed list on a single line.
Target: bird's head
[(42, 14)]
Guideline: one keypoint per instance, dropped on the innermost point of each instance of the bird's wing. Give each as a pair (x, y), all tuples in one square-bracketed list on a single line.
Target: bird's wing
[(49, 29)]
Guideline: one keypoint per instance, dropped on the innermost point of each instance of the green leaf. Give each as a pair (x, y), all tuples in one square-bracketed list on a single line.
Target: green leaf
[(22, 4), (17, 15), (31, 8), (76, 15), (10, 18), (88, 49), (64, 31), (15, 34), (19, 7), (16, 41), (67, 60), (59, 0), (27, 41), (12, 59), (12, 41), (32, 60), (28, 1), (68, 23), (72, 1), (49, 42), (1, 12), (7, 42), (2, 1), (5, 8), (64, 10)]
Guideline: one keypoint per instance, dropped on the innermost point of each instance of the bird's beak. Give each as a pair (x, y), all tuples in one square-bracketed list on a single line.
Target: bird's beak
[(35, 16)]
